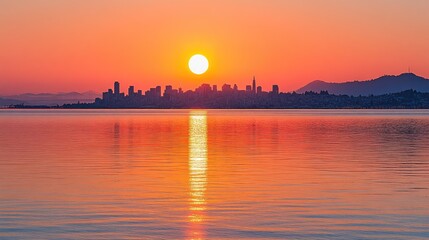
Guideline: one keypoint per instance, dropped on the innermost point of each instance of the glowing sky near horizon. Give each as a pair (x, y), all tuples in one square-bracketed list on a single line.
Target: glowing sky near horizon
[(54, 46)]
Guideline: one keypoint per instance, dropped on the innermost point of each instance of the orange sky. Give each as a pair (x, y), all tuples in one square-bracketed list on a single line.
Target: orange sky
[(53, 46)]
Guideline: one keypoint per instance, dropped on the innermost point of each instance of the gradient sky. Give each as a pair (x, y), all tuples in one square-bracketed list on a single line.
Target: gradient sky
[(58, 46)]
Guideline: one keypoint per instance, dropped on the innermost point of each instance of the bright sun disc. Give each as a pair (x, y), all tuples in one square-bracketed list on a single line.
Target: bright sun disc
[(198, 64)]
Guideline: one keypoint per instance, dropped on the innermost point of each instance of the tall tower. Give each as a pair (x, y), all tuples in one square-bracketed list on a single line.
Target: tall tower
[(254, 85), (131, 91), (116, 88), (275, 89)]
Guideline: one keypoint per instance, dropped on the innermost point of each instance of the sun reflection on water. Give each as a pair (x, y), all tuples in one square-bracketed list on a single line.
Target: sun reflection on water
[(197, 172)]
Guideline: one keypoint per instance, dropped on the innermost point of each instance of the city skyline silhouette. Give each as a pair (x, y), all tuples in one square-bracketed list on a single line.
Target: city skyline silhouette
[(253, 96), (402, 91)]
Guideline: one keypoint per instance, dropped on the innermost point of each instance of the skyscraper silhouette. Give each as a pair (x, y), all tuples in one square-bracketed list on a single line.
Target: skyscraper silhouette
[(276, 89), (131, 91), (254, 85), (116, 88)]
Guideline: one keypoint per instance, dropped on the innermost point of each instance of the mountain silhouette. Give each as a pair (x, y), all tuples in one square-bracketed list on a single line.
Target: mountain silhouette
[(7, 101), (51, 99), (383, 85)]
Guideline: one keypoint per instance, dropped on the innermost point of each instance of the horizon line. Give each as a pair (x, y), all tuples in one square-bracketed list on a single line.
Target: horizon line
[(192, 89)]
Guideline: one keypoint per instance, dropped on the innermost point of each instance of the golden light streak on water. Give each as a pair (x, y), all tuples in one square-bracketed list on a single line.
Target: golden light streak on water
[(197, 172)]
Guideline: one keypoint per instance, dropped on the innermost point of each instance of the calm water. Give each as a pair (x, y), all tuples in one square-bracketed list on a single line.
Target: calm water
[(216, 174)]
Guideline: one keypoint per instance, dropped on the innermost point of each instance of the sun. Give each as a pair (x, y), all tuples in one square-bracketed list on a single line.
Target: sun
[(198, 64)]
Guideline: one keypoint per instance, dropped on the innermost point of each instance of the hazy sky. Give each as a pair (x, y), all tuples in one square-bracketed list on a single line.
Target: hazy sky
[(53, 46)]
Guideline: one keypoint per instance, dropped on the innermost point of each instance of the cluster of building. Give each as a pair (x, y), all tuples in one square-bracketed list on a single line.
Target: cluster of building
[(155, 97), (207, 96)]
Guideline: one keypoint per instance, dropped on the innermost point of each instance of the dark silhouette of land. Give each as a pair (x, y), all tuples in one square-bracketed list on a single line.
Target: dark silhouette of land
[(8, 101), (383, 85), (253, 97), (49, 99)]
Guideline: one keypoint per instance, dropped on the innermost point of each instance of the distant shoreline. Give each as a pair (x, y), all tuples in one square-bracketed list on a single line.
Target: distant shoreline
[(409, 99)]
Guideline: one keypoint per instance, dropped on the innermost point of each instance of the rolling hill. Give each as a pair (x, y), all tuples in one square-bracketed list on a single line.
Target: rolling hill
[(50, 99), (379, 86)]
